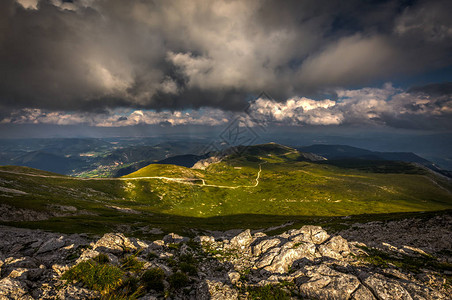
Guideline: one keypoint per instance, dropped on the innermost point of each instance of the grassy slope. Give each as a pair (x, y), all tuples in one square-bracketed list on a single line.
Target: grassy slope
[(288, 189)]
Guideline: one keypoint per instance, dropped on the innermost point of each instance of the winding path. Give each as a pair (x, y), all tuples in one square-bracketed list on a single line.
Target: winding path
[(190, 181)]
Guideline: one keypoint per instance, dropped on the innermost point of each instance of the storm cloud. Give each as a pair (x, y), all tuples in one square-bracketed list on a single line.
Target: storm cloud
[(96, 58), (376, 107)]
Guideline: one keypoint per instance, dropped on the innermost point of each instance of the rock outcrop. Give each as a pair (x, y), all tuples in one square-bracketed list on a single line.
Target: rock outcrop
[(300, 263)]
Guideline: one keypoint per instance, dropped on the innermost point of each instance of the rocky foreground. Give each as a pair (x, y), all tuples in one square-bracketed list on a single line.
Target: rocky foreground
[(305, 263)]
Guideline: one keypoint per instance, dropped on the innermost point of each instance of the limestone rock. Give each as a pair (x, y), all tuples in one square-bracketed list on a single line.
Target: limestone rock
[(76, 293), (326, 283), (337, 247), (217, 290), (234, 277), (173, 238), (242, 240), (386, 288), (11, 288), (264, 245), (309, 233), (362, 293), (51, 245), (87, 255), (114, 243), (31, 269), (205, 239), (284, 260), (267, 258)]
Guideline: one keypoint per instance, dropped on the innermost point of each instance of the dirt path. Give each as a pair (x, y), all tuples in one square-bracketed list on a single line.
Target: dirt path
[(179, 180)]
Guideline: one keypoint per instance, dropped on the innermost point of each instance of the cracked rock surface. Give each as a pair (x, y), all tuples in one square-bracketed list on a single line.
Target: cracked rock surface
[(306, 263)]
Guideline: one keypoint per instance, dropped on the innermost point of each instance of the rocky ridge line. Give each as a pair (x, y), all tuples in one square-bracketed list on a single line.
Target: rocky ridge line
[(302, 263)]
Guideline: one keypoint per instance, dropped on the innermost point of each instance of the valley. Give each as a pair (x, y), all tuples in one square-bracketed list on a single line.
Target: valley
[(254, 187)]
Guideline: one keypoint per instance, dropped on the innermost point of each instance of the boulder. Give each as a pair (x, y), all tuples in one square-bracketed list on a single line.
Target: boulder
[(216, 290), (76, 293), (284, 260), (114, 243), (386, 288), (362, 293), (337, 247), (11, 288), (204, 239), (309, 233), (326, 283), (267, 258), (51, 245), (242, 240), (234, 276), (174, 238), (264, 245)]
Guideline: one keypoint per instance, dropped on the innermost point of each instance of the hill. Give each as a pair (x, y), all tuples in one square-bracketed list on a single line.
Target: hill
[(262, 185), (49, 161), (344, 152)]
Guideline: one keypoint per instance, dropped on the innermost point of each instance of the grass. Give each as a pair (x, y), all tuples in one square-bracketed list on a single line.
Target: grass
[(288, 190), (268, 292), (100, 277), (101, 259), (132, 264), (178, 280), (126, 281), (153, 279), (407, 263)]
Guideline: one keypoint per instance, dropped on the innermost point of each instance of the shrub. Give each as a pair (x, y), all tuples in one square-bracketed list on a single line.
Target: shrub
[(95, 276), (188, 268), (187, 258), (152, 255), (178, 280), (153, 279), (193, 245), (172, 262)]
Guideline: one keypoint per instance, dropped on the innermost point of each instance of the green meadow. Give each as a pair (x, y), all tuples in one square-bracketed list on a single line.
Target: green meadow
[(225, 194)]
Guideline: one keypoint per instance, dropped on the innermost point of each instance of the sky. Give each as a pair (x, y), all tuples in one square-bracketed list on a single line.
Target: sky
[(325, 64)]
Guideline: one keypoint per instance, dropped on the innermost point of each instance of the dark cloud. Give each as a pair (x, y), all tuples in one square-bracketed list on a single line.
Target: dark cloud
[(95, 55), (370, 107), (434, 89)]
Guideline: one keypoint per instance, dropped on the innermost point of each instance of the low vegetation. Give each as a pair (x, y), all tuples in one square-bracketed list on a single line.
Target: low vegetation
[(289, 189), (268, 292), (102, 277), (413, 264), (153, 279)]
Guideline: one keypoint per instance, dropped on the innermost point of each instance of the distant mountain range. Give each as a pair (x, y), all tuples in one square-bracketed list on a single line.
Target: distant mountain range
[(115, 157), (92, 157), (344, 152)]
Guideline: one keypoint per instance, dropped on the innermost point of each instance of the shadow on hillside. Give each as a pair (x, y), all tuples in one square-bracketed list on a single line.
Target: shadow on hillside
[(157, 225)]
